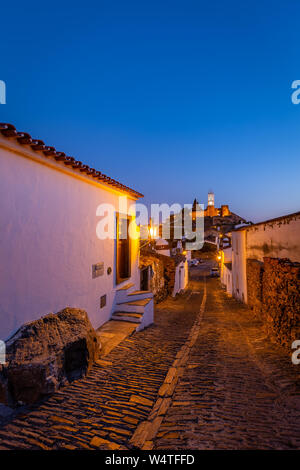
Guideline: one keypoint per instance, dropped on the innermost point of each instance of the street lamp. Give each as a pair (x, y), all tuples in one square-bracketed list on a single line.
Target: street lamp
[(152, 232)]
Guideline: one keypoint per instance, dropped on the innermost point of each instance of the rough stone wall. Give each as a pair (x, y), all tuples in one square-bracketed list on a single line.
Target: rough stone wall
[(274, 296), (163, 268), (255, 271), (281, 298)]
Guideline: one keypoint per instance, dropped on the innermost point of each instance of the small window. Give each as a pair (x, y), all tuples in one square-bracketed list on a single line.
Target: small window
[(103, 301)]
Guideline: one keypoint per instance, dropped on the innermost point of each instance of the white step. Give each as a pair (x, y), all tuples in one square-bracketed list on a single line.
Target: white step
[(139, 295), (147, 318), (123, 291), (133, 317), (135, 306)]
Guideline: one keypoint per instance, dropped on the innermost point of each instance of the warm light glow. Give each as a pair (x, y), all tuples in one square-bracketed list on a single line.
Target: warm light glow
[(152, 231), (184, 252), (219, 257)]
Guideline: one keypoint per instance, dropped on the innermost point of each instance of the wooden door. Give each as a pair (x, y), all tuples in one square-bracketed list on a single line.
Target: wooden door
[(123, 258)]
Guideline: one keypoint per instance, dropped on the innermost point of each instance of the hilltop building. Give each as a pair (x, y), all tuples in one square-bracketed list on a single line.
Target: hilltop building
[(212, 211), (218, 219)]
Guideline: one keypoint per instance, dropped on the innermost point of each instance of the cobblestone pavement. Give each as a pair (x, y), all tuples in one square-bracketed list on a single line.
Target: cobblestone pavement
[(234, 390), (238, 391), (103, 409)]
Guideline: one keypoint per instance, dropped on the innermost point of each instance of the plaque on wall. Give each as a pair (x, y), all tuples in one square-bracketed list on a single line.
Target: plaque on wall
[(97, 270)]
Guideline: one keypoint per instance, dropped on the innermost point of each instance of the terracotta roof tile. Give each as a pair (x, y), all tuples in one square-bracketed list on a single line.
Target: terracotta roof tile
[(23, 138)]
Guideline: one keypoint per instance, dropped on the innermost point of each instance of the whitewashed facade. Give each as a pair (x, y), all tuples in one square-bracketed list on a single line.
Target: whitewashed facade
[(275, 238), (50, 254), (181, 266), (226, 269)]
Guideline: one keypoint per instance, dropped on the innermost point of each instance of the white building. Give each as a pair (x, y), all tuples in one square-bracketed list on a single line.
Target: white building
[(277, 238), (226, 269), (50, 254), (162, 247), (181, 274)]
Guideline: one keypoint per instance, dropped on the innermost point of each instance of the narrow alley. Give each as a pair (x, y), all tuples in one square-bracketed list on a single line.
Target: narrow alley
[(234, 389)]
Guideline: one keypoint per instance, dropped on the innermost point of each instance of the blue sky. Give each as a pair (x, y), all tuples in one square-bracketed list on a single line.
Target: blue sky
[(172, 98)]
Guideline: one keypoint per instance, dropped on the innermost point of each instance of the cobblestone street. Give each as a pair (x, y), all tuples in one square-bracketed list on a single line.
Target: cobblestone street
[(203, 377), (239, 391)]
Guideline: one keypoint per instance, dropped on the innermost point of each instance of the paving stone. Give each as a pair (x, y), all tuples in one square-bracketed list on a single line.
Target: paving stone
[(58, 419), (98, 441), (171, 374), (165, 403), (141, 400), (119, 431), (130, 420)]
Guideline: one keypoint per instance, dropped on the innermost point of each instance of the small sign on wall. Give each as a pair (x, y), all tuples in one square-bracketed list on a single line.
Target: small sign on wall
[(103, 301), (97, 270)]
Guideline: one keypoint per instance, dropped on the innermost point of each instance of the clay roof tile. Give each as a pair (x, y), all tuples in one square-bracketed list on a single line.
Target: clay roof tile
[(23, 138)]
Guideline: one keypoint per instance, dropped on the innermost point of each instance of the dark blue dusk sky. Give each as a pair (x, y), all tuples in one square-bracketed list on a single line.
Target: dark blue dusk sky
[(172, 98)]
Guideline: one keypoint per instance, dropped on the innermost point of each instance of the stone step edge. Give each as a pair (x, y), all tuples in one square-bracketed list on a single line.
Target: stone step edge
[(146, 431), (139, 303), (123, 288), (140, 292), (133, 314), (136, 321)]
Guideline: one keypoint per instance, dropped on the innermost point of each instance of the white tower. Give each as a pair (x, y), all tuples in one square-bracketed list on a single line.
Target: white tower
[(211, 199)]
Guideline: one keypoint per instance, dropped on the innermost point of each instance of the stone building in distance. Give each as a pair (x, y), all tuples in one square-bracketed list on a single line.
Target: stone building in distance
[(212, 211), (220, 219)]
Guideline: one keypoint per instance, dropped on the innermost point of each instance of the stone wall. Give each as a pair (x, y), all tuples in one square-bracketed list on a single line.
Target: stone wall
[(255, 271), (274, 295), (163, 269)]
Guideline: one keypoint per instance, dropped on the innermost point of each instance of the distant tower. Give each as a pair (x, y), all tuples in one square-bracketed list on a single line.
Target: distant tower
[(211, 199)]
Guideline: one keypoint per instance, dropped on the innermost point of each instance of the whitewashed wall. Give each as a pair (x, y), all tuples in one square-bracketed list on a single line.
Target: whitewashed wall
[(181, 277), (227, 280), (48, 241), (276, 238), (239, 278), (226, 274)]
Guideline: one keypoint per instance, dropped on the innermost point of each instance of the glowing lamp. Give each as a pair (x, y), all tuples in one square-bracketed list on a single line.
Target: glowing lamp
[(152, 232)]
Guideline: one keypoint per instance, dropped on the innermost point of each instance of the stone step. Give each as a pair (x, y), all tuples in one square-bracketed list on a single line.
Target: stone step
[(137, 306), (137, 295), (134, 317), (137, 292), (123, 292), (125, 287), (140, 302)]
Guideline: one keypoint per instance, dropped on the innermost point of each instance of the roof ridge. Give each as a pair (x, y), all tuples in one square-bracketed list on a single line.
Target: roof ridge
[(268, 221), (23, 138)]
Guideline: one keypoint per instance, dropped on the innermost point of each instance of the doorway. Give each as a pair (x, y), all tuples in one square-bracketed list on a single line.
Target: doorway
[(145, 278), (123, 258)]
